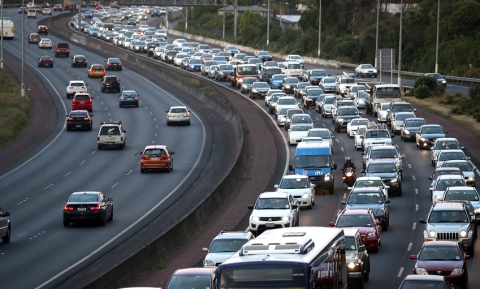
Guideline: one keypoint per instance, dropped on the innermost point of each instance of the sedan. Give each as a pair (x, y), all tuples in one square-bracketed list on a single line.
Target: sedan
[(297, 132), (45, 61), (444, 258), (247, 84), (128, 97), (178, 114), (140, 46), (427, 135), (263, 55), (113, 64), (156, 157), (45, 43), (96, 70), (300, 188), (259, 89), (370, 198), (89, 206), (448, 155), (467, 169), (410, 127), (5, 227), (79, 119), (438, 77), (366, 70)]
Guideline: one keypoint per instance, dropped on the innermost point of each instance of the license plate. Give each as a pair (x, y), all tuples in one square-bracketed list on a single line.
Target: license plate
[(78, 125), (154, 159), (82, 209), (270, 225), (82, 102)]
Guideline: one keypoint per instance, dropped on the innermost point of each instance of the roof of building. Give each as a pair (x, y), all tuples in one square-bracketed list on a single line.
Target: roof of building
[(245, 8)]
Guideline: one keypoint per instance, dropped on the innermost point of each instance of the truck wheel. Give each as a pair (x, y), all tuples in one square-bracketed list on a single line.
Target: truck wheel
[(331, 190)]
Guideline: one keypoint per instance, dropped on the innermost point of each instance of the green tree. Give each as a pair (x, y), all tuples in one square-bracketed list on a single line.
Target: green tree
[(247, 25)]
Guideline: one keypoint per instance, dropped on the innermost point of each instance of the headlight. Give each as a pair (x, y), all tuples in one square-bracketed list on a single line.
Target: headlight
[(287, 86), (394, 180), (421, 271), (457, 271), (371, 235), (340, 119), (327, 177), (406, 131), (444, 81), (222, 73), (397, 164), (423, 139), (286, 218), (353, 265), (477, 210), (254, 90), (255, 219), (438, 198), (470, 179), (208, 263), (282, 119), (432, 234), (304, 196), (463, 233)]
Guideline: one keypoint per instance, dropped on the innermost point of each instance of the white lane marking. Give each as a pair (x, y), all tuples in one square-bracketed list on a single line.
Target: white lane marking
[(341, 148), (416, 191), (81, 163), (336, 140), (409, 247), (400, 273), (344, 196), (154, 119), (416, 207), (413, 177), (409, 166), (151, 113), (114, 185), (129, 172), (414, 225)]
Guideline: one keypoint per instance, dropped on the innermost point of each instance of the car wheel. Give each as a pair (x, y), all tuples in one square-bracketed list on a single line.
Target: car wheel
[(68, 128), (6, 238), (331, 191), (99, 147), (111, 215), (188, 123), (66, 223), (142, 171), (168, 123), (103, 222), (384, 227), (90, 127)]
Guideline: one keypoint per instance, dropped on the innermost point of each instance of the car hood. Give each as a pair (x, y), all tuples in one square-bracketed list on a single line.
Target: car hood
[(440, 265), (271, 213), (413, 128), (432, 135), (351, 116), (382, 175), (298, 134), (219, 257), (226, 71), (447, 227), (373, 207), (328, 84), (276, 81), (262, 89), (295, 192)]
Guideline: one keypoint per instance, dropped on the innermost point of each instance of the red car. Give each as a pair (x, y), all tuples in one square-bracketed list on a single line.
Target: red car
[(82, 101), (364, 220), (444, 258), (99, 7), (192, 278)]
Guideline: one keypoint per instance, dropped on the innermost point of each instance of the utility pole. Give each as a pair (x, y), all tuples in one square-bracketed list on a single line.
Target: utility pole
[(268, 22), (400, 46), (438, 37), (376, 34), (319, 27), (235, 18)]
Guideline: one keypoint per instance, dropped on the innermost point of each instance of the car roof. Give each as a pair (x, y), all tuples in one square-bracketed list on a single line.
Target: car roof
[(349, 232), (440, 244), (233, 234), (155, 147), (355, 212), (384, 147), (425, 277), (448, 205), (366, 190), (295, 177), (447, 169), (446, 139), (178, 107), (382, 161), (449, 177), (273, 195), (86, 193), (195, 271)]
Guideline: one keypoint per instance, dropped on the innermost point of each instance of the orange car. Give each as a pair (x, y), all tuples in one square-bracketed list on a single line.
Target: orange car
[(96, 70), (156, 157)]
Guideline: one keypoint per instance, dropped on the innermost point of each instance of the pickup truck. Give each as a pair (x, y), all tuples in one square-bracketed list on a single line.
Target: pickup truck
[(111, 134), (240, 71), (377, 93)]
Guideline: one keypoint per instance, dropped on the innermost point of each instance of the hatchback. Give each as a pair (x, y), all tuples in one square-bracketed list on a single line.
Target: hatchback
[(128, 97), (156, 157), (178, 114), (82, 101), (96, 70), (34, 38), (45, 43)]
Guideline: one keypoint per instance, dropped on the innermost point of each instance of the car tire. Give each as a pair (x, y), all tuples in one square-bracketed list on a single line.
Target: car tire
[(111, 215), (90, 128), (6, 238), (331, 191), (188, 123), (168, 123), (142, 171), (104, 221), (66, 223), (99, 147)]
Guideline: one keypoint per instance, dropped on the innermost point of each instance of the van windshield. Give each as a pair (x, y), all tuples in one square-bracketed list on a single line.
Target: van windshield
[(312, 161)]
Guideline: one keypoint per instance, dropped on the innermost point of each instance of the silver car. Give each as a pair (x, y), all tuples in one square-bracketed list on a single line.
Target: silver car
[(443, 143), (467, 169), (224, 245), (328, 84), (178, 114)]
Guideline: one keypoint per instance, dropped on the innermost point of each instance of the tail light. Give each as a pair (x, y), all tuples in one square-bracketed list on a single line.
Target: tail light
[(121, 139), (186, 114), (136, 97), (164, 157), (68, 208), (95, 208), (122, 98), (84, 86), (70, 118), (144, 157), (86, 118)]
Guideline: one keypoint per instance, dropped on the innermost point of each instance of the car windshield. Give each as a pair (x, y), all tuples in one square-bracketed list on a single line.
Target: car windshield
[(226, 67), (189, 281), (446, 155), (247, 70), (312, 161), (367, 66), (377, 134), (464, 194), (226, 245), (178, 110), (432, 130), (354, 221), (283, 111), (347, 80), (287, 101), (263, 53), (319, 73), (83, 198), (364, 198), (324, 134), (291, 183), (368, 183), (414, 123), (443, 184), (423, 284), (294, 66), (381, 168), (328, 100), (347, 111), (402, 108), (291, 112), (383, 153), (463, 166), (291, 80), (434, 253), (296, 57), (77, 84), (435, 75), (329, 80), (261, 85), (279, 77), (403, 116), (301, 119), (445, 145), (249, 80), (448, 216), (272, 204), (314, 92), (195, 61), (300, 127)]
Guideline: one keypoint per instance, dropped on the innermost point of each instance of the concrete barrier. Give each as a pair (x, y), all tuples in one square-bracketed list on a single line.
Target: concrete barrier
[(127, 261)]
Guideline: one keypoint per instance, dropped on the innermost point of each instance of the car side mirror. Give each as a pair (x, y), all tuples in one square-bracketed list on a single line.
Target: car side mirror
[(362, 171), (430, 178), (422, 221), (387, 201), (290, 167), (431, 188), (413, 257), (466, 257), (446, 131), (331, 224), (276, 186), (110, 199), (335, 166), (392, 136), (166, 111), (250, 207), (172, 153), (361, 248), (205, 249), (294, 206), (378, 223), (343, 202), (387, 187)]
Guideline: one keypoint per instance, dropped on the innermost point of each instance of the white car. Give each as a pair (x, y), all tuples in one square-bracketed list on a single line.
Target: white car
[(442, 183), (296, 58), (382, 112), (286, 101), (45, 43), (75, 86), (397, 120), (353, 125), (443, 143), (343, 84), (366, 70), (273, 210), (178, 42), (384, 152), (178, 59), (358, 137), (269, 94), (324, 133), (300, 187), (450, 155), (297, 132), (367, 182)]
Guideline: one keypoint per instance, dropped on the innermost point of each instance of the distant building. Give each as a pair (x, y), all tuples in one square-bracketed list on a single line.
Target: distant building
[(290, 21), (241, 9)]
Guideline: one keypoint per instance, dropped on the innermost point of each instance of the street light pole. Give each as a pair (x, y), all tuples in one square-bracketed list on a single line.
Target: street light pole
[(268, 22), (376, 34), (186, 18), (1, 40), (223, 35), (319, 27), (438, 37), (79, 16), (400, 46), (22, 91)]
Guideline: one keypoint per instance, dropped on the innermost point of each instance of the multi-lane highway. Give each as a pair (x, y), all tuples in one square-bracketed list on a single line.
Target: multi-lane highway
[(43, 253)]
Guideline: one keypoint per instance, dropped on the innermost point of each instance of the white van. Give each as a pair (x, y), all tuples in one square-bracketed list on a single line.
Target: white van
[(31, 13)]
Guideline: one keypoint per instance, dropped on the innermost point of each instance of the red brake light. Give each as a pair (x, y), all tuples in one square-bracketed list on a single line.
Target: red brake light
[(95, 208), (68, 208), (70, 87), (144, 157), (86, 118), (70, 118)]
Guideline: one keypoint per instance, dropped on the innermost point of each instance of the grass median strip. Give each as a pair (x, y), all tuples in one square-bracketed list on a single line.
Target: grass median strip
[(14, 109)]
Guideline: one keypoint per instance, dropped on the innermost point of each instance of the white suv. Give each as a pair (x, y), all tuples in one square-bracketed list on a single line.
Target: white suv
[(273, 210), (111, 134), (224, 245), (300, 187), (75, 86)]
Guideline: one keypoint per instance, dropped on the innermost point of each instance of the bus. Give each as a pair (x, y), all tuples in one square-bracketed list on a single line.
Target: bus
[(8, 31), (293, 258)]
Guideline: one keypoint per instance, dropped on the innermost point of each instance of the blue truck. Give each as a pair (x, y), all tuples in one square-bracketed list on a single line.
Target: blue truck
[(314, 159)]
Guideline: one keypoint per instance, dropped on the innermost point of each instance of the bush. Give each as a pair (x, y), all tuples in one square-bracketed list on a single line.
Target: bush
[(429, 82), (421, 91)]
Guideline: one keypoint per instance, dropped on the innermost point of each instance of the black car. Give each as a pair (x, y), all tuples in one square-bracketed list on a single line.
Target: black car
[(314, 76), (345, 114), (264, 55), (79, 119), (79, 61), (110, 82), (5, 227), (88, 206)]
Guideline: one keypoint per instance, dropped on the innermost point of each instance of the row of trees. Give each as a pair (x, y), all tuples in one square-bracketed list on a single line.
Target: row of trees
[(349, 32)]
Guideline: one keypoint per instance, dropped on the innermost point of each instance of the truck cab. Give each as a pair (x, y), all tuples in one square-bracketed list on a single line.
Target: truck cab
[(241, 71), (377, 93), (314, 159)]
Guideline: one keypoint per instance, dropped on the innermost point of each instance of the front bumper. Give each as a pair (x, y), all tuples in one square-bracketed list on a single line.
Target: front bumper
[(261, 226)]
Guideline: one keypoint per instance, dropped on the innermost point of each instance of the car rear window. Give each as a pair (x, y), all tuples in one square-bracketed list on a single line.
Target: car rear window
[(154, 152), (178, 110), (76, 84), (62, 45), (82, 97)]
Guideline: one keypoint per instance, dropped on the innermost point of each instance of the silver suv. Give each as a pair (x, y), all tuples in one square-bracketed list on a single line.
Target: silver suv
[(75, 86), (224, 245), (450, 221)]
